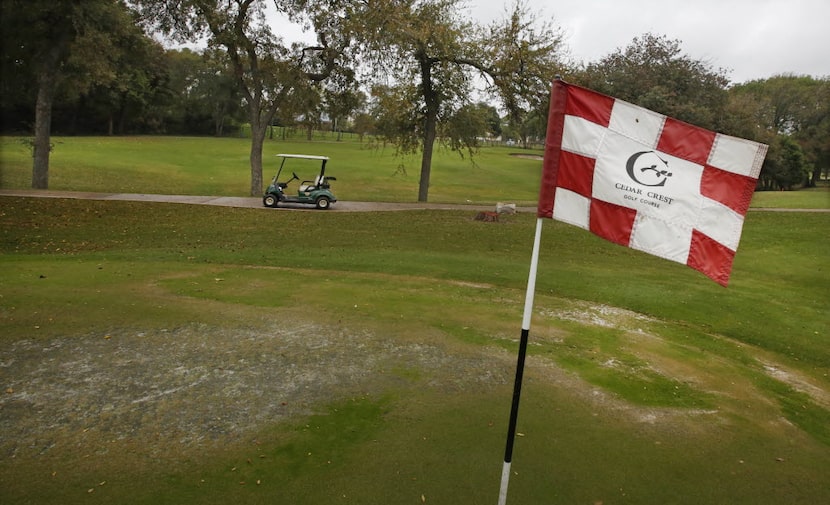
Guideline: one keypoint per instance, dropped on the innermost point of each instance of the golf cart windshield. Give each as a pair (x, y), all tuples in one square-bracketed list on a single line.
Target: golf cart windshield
[(285, 157)]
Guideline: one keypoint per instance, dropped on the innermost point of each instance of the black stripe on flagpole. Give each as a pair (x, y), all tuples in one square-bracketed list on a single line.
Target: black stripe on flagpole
[(517, 393)]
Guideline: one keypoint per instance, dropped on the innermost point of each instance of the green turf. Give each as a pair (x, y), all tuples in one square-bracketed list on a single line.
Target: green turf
[(647, 382), (364, 171), (219, 166), (812, 198)]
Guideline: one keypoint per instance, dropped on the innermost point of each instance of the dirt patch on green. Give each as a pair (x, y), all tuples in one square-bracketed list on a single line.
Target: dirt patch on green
[(199, 386)]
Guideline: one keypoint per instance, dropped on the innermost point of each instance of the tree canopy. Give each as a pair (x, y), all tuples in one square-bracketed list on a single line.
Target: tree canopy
[(416, 73), (430, 57), (653, 72), (795, 108)]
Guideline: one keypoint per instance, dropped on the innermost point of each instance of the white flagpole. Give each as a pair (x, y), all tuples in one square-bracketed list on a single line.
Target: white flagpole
[(520, 364)]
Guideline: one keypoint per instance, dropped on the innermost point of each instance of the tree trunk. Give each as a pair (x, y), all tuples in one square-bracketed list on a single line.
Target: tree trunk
[(258, 133), (426, 158), (260, 120), (43, 124), (431, 100), (122, 116), (812, 181), (219, 119)]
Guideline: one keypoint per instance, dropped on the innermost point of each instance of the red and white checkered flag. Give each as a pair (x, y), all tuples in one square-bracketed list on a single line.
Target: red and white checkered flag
[(647, 181)]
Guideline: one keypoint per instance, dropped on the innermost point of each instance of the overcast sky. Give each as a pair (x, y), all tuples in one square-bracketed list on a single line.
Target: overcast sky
[(752, 39)]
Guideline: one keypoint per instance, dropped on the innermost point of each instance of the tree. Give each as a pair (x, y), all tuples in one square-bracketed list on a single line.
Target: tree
[(269, 74), (814, 136), (309, 107), (428, 57), (39, 37), (491, 117), (654, 73), (363, 124), (218, 90), (420, 46), (785, 166), (525, 56), (469, 123), (484, 119), (127, 97), (341, 98), (205, 93), (792, 106)]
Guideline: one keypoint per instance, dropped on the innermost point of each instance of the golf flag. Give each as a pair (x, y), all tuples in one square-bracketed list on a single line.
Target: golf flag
[(647, 181), (642, 180)]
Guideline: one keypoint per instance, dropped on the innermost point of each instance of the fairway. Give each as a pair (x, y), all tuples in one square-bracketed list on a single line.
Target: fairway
[(220, 167), (169, 353)]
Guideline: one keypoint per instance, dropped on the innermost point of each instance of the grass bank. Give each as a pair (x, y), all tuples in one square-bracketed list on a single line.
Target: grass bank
[(161, 353)]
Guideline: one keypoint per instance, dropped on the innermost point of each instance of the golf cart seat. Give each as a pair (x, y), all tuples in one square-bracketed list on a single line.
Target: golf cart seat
[(311, 185)]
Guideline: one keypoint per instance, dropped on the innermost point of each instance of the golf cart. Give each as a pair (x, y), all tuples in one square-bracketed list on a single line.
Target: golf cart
[(315, 192)]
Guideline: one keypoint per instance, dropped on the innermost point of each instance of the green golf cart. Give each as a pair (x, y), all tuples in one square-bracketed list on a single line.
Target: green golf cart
[(315, 192)]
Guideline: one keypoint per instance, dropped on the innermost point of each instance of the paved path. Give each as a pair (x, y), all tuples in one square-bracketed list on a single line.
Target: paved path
[(253, 202), (245, 202)]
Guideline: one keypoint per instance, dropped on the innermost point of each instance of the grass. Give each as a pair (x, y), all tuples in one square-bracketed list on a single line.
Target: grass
[(219, 166), (646, 382), (812, 198)]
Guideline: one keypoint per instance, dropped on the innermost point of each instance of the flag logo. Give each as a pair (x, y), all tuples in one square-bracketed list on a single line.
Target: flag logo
[(647, 181), (635, 166)]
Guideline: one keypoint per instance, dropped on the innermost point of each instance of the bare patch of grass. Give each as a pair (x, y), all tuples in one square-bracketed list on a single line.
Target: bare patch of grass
[(198, 386)]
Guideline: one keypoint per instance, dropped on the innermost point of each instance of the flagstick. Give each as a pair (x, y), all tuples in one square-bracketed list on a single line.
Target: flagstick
[(520, 364)]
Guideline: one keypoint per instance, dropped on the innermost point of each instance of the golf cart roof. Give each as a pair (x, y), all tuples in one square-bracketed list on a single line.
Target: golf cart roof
[(303, 156)]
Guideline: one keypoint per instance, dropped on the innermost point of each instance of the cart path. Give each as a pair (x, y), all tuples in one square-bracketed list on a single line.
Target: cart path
[(253, 202)]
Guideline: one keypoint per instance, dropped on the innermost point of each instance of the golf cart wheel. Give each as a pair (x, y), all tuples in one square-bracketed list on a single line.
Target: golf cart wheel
[(270, 200), (323, 203)]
